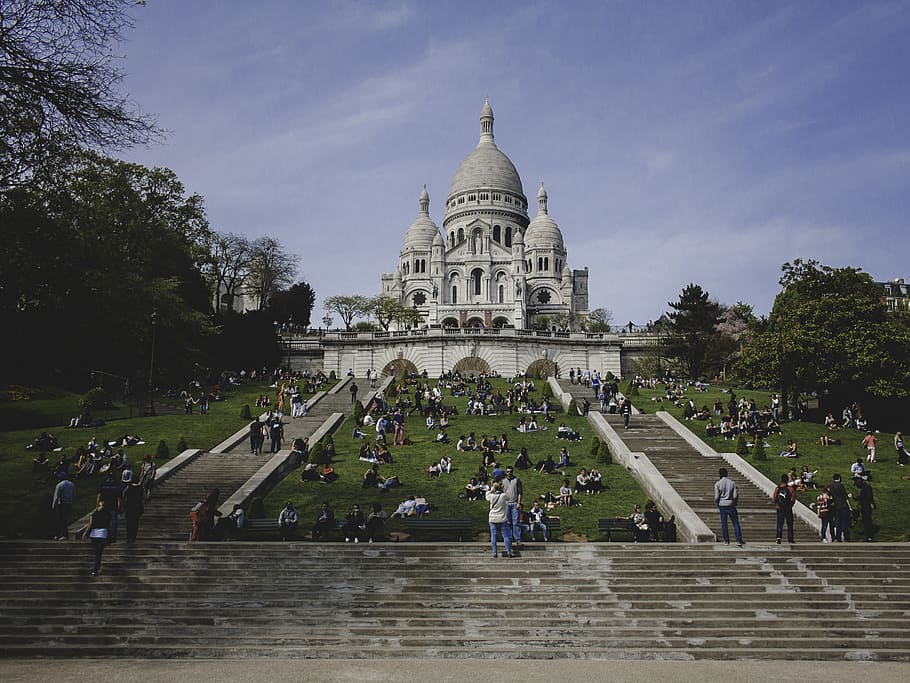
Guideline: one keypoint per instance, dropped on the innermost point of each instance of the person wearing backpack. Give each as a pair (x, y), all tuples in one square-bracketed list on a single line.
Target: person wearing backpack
[(784, 496)]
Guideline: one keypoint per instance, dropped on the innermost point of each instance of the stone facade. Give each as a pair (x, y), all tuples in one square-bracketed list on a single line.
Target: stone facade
[(491, 266)]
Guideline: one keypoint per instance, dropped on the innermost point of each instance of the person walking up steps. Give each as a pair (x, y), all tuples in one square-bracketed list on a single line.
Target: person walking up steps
[(783, 497), (726, 496)]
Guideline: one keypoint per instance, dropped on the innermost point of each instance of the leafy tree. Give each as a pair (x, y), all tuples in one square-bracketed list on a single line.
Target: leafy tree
[(387, 310), (347, 307), (59, 80), (93, 250), (294, 304), (692, 327), (598, 320), (829, 332), (271, 269)]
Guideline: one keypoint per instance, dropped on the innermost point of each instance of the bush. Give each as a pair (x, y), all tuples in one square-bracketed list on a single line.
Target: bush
[(257, 509), (358, 412), (245, 412), (605, 456), (181, 445), (332, 376), (573, 408), (741, 448), (595, 446), (633, 390), (609, 376), (758, 450), (318, 455), (96, 398), (546, 391), (162, 453)]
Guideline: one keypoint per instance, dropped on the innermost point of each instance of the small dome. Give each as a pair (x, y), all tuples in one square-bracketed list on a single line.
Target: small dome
[(543, 232), (438, 241), (423, 231)]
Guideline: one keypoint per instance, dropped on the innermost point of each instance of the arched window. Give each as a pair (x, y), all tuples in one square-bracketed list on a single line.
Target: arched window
[(546, 263), (454, 294), (539, 263), (476, 275), (452, 239), (508, 235), (460, 235), (502, 294), (497, 233)]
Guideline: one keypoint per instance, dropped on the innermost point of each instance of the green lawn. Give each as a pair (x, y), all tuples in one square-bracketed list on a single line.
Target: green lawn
[(578, 523), (890, 482), (25, 496)]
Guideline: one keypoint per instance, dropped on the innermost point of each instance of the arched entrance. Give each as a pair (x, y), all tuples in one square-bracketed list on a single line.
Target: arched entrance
[(401, 367), (471, 365), (474, 322), (541, 368)]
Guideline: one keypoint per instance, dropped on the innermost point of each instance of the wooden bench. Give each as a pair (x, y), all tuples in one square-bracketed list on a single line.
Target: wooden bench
[(554, 526), (611, 524), (459, 527)]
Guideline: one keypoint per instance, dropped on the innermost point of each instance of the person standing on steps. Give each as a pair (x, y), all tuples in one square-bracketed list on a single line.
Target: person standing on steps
[(97, 530), (866, 506), (783, 497), (62, 505), (511, 488), (726, 496), (498, 518), (841, 505), (625, 408), (133, 507), (353, 390)]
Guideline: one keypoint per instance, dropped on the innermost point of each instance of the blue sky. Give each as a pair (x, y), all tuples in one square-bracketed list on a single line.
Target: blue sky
[(679, 142)]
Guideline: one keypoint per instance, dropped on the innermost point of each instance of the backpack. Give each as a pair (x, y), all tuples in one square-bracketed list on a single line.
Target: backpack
[(784, 497)]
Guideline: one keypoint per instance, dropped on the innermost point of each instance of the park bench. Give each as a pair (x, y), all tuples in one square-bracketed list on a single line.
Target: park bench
[(266, 526), (459, 527), (554, 526), (611, 524)]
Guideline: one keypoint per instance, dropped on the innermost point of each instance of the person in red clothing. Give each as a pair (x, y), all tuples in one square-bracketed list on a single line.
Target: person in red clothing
[(784, 497)]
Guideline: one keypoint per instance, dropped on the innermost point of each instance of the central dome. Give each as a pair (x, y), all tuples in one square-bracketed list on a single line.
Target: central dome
[(486, 166)]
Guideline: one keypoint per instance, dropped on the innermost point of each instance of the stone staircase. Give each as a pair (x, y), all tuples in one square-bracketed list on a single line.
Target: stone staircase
[(581, 601), (692, 475)]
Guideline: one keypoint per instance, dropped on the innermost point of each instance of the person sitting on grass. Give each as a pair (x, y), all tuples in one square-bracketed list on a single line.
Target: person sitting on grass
[(564, 458), (474, 490), (563, 432), (830, 422), (595, 481), (825, 440), (371, 478), (523, 462), (582, 481), (386, 483), (547, 465), (565, 494), (442, 437), (405, 508), (711, 429), (791, 451)]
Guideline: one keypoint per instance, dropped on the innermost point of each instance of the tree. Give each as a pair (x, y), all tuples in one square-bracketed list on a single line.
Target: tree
[(598, 320), (829, 332), (692, 326), (227, 269), (58, 82), (294, 304), (89, 256), (271, 269), (347, 307), (385, 309)]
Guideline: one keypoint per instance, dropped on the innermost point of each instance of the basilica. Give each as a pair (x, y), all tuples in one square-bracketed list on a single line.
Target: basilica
[(490, 265)]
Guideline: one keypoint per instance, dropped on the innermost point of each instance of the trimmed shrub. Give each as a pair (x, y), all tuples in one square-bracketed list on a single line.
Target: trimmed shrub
[(181, 445), (741, 448), (546, 391), (96, 398), (758, 450), (573, 408), (332, 376), (257, 509), (245, 412), (162, 453), (317, 454), (605, 456), (358, 411), (595, 446), (609, 376)]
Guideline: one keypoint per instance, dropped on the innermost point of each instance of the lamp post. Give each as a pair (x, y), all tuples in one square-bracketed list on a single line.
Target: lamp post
[(151, 385)]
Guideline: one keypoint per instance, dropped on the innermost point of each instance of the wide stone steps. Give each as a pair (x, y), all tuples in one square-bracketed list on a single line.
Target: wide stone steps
[(419, 600)]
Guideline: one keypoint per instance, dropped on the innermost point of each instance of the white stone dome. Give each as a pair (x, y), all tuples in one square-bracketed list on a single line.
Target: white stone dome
[(423, 231), (543, 232), (486, 167)]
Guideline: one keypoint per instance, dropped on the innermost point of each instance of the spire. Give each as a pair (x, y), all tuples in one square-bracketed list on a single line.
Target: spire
[(486, 121), (425, 202), (542, 200)]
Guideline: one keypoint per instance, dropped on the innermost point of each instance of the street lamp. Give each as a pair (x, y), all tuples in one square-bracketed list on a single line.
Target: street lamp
[(151, 385)]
